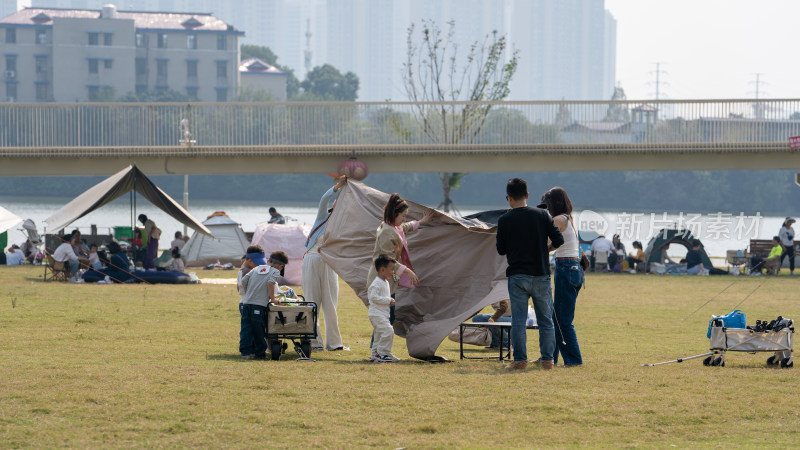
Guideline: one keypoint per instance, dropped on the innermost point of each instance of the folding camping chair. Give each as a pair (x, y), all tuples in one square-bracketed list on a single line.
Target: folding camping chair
[(54, 270), (601, 258)]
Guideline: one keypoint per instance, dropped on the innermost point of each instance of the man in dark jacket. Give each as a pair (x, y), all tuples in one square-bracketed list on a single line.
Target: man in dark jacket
[(522, 235)]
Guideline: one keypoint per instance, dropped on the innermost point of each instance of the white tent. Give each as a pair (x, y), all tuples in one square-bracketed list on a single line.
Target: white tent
[(288, 238), (7, 220), (228, 247)]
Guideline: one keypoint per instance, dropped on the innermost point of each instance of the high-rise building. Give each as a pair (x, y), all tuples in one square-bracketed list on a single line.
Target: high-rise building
[(8, 7)]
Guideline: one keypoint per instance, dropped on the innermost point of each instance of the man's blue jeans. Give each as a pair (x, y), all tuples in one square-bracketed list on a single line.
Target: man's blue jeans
[(495, 331), (245, 333), (537, 288), (568, 281)]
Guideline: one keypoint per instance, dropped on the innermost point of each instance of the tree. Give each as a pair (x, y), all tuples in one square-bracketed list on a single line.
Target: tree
[(268, 56), (326, 82), (435, 79), (252, 94)]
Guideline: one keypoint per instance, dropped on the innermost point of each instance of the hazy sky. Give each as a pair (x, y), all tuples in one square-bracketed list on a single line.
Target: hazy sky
[(708, 48)]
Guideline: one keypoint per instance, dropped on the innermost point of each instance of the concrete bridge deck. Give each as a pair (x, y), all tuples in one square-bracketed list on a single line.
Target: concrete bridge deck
[(231, 138)]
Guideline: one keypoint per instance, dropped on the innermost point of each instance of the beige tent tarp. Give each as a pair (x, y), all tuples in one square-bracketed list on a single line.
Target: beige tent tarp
[(115, 186), (456, 259)]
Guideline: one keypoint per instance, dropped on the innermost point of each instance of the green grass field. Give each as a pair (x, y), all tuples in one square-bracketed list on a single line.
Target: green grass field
[(157, 366)]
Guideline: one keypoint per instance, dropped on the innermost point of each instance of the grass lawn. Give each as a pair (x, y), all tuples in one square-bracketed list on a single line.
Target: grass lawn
[(157, 366)]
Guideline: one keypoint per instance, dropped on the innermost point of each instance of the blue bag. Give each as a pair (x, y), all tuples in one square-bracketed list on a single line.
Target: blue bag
[(734, 319)]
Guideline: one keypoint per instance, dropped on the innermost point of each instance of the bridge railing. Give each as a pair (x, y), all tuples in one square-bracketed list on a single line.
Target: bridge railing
[(644, 124)]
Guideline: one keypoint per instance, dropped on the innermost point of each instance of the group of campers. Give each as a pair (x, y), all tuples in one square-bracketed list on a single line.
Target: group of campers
[(525, 236)]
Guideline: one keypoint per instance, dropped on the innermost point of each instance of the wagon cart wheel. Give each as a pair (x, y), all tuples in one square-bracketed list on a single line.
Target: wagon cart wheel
[(275, 350), (305, 346), (787, 362), (707, 361), (772, 360), (716, 361)]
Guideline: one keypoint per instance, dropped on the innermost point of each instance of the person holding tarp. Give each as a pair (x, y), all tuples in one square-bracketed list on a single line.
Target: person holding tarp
[(522, 235), (320, 282), (391, 241), (568, 277)]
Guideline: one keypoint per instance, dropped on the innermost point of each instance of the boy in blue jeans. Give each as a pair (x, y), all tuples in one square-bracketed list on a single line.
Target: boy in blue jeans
[(259, 289), (255, 257)]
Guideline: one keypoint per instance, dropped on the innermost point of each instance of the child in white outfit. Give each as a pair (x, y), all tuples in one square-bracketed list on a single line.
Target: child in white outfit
[(380, 300)]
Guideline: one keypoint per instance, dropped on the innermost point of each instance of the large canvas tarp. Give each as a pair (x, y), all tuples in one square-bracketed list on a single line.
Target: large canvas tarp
[(7, 220), (456, 259), (290, 238), (115, 186), (228, 245)]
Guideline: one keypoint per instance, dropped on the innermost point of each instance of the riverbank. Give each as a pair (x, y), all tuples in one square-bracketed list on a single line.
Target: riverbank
[(157, 366)]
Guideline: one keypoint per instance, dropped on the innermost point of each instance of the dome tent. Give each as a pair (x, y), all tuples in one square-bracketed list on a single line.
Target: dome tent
[(228, 247), (288, 238), (666, 237)]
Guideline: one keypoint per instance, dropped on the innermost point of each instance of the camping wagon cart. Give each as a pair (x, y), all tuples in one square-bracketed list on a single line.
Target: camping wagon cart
[(296, 321), (724, 339)]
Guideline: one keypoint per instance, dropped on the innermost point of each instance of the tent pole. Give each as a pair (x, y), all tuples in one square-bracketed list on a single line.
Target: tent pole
[(185, 201)]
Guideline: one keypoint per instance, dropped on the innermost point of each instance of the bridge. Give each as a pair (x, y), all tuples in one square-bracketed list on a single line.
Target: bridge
[(247, 138)]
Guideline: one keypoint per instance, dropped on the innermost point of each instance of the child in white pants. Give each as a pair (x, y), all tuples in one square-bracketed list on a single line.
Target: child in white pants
[(380, 300)]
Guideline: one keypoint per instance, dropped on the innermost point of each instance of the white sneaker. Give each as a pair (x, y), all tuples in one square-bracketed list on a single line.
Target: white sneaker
[(632, 271), (392, 357), (382, 359)]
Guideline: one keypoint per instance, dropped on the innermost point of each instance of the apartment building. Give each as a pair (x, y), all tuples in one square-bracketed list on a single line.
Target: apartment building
[(77, 55)]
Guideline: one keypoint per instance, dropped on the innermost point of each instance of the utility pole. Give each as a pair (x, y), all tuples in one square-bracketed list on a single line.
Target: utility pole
[(307, 53), (758, 84)]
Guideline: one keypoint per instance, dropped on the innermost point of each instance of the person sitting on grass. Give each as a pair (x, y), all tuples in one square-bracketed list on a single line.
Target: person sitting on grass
[(258, 288), (177, 264), (380, 300), (118, 267), (694, 261), (636, 256), (94, 258), (502, 313)]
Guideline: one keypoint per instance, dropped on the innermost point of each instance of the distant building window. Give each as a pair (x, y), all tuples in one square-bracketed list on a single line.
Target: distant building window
[(141, 66), (94, 38), (11, 36), (140, 40), (93, 66), (41, 64), (161, 67), (222, 95), (191, 42), (191, 92), (107, 39), (11, 92), (222, 69), (222, 42), (107, 63), (162, 40), (11, 65), (41, 37), (41, 91), (191, 69)]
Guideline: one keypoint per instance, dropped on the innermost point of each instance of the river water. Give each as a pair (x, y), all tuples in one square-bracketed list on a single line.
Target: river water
[(719, 231)]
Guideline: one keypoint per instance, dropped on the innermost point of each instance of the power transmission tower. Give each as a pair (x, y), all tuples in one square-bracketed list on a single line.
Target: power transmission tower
[(758, 82), (659, 79), (307, 53)]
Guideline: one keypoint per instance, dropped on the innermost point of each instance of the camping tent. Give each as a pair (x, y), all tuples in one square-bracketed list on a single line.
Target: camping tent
[(113, 187), (665, 237), (228, 247), (7, 221), (288, 238), (456, 260)]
